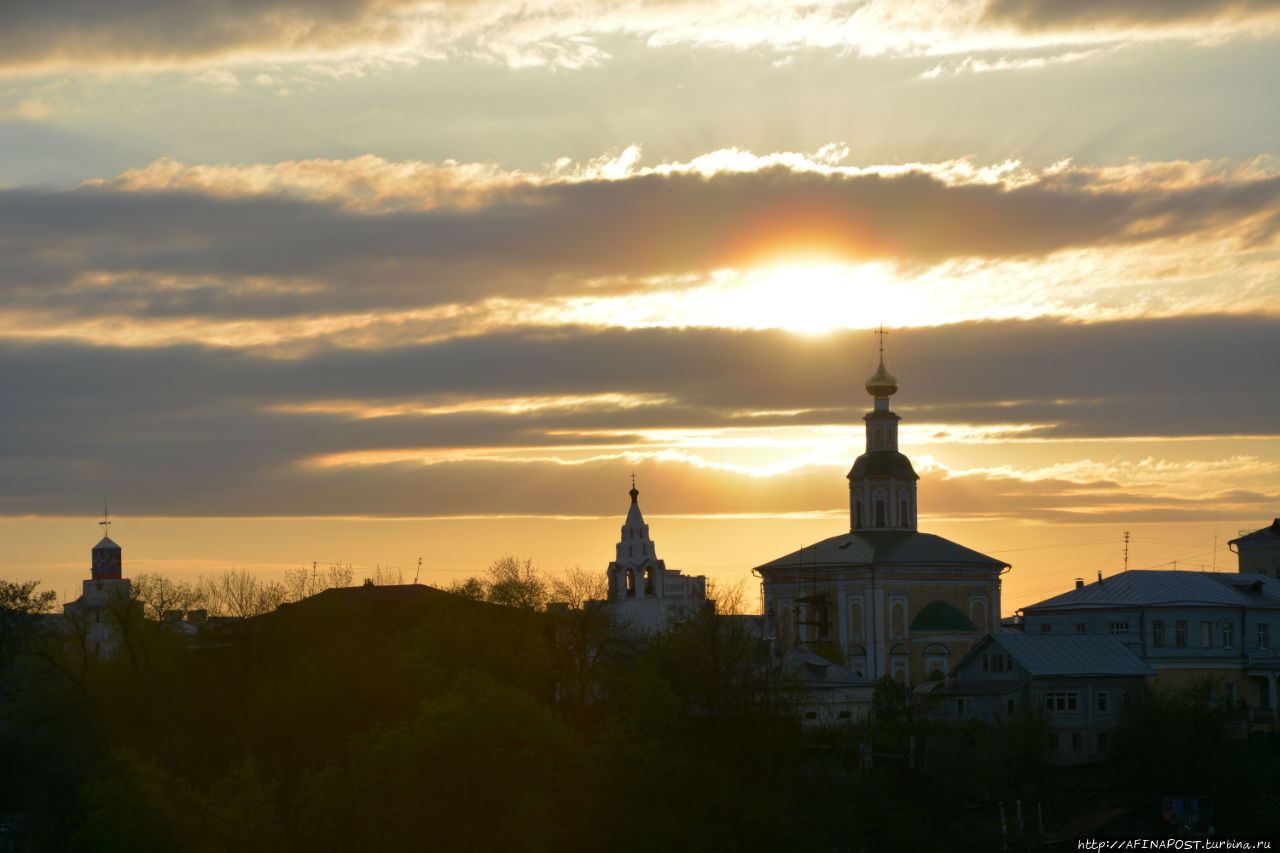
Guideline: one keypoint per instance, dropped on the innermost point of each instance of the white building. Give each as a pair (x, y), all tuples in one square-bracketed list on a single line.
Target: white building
[(642, 590), (105, 599)]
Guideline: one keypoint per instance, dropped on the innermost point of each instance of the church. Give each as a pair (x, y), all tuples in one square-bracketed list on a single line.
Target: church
[(642, 590), (95, 614), (884, 597)]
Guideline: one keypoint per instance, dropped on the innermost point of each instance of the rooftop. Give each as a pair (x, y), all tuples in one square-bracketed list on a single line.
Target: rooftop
[(1083, 654), (883, 547), (1154, 587)]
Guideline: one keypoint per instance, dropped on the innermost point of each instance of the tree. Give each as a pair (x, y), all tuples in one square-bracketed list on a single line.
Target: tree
[(515, 583), (20, 606), (240, 594), (159, 594), (472, 589), (589, 638), (578, 586)]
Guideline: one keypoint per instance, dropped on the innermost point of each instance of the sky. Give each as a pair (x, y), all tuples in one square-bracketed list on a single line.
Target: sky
[(411, 286)]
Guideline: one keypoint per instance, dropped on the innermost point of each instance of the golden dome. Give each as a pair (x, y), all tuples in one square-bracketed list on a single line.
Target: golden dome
[(881, 383)]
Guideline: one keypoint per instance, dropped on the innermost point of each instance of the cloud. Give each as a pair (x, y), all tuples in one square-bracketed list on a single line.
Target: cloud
[(1038, 15), (149, 32), (348, 240), (353, 36), (535, 421)]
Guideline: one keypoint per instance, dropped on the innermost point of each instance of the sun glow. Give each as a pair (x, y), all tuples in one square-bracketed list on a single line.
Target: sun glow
[(813, 298)]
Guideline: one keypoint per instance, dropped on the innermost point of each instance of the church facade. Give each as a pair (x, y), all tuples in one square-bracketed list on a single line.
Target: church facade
[(885, 597)]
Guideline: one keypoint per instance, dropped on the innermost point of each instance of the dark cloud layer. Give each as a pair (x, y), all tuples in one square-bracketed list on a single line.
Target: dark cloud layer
[(270, 256), (189, 430), (130, 31), (1038, 15)]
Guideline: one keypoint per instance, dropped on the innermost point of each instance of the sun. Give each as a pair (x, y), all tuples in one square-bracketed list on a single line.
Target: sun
[(813, 298)]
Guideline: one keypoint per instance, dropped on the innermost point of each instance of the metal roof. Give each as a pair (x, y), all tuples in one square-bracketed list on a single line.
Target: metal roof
[(1154, 587), (106, 545), (883, 463), (882, 547), (1070, 654)]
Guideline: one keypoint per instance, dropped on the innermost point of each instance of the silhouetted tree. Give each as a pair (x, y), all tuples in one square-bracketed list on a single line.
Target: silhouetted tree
[(20, 609), (515, 583)]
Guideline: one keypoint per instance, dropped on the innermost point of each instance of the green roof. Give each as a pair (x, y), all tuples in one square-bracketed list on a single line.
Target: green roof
[(940, 616)]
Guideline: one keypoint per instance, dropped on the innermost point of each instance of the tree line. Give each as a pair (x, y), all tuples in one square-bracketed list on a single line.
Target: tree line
[(407, 717)]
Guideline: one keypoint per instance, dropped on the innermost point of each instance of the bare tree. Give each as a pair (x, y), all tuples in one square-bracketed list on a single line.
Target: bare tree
[(386, 577), (159, 594), (240, 594), (577, 586)]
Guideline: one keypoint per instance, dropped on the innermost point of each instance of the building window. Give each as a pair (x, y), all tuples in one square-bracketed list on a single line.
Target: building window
[(1077, 742), (1180, 633), (1079, 627), (1264, 636), (1045, 628), (1051, 742), (857, 514), (1228, 634), (1119, 627), (1061, 701), (1104, 699), (1229, 694), (997, 663), (1011, 705), (1157, 632), (1102, 741), (1206, 635), (902, 514), (964, 707), (631, 582), (880, 522), (1124, 700)]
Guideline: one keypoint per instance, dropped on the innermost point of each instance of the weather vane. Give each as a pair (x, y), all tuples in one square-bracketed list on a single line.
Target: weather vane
[(106, 518)]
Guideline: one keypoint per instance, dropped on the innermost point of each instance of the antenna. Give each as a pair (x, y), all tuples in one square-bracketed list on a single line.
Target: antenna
[(1126, 551), (418, 572)]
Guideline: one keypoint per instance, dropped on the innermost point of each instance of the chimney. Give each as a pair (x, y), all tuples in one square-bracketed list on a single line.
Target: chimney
[(1099, 575), (1079, 583)]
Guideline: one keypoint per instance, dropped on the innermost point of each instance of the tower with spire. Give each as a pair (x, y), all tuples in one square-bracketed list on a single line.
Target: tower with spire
[(641, 587), (889, 599), (106, 598), (882, 483)]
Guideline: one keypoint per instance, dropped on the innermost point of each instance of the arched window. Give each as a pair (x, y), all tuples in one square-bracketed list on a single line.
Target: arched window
[(902, 513), (857, 513), (898, 618), (880, 522), (648, 580), (631, 582)]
